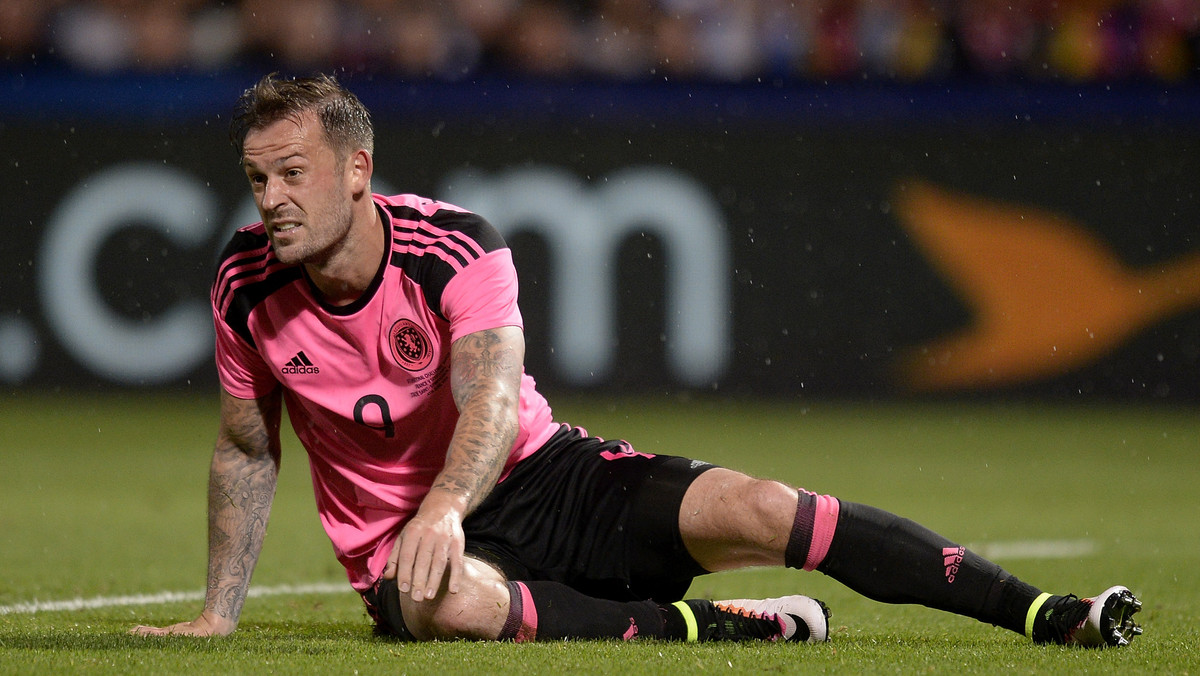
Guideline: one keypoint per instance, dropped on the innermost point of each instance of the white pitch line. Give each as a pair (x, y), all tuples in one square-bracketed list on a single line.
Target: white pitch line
[(165, 597), (1036, 549)]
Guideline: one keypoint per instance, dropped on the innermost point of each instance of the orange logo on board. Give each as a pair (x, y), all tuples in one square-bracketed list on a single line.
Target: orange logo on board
[(1046, 296)]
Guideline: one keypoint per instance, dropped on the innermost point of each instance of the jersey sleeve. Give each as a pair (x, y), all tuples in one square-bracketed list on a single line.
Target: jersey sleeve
[(241, 369), (482, 295)]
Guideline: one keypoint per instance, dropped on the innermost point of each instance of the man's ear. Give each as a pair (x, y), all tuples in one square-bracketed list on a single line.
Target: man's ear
[(359, 168)]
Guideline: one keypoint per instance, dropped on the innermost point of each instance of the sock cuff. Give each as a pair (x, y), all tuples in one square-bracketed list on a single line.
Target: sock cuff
[(800, 540), (521, 624), (1031, 615), (689, 620), (824, 524), (812, 530)]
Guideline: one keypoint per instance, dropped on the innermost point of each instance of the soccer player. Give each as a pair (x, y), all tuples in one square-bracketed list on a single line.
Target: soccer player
[(458, 505)]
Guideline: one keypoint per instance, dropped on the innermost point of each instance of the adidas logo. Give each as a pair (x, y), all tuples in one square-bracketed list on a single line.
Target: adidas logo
[(952, 558), (299, 365)]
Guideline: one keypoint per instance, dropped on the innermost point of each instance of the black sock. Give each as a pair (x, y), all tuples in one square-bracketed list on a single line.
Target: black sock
[(894, 560), (1048, 623), (546, 611)]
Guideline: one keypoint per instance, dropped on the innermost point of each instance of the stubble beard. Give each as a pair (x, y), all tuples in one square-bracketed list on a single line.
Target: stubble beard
[(321, 242)]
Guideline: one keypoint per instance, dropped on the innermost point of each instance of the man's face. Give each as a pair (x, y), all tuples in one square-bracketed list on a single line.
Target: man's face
[(300, 189)]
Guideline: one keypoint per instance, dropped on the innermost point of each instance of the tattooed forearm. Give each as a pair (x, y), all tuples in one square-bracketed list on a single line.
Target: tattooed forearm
[(240, 491), (486, 382)]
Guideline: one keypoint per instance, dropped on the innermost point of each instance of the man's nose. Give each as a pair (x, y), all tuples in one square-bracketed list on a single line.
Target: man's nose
[(273, 194)]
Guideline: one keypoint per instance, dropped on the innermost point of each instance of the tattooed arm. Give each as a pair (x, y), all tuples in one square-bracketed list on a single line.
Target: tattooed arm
[(485, 378), (241, 487)]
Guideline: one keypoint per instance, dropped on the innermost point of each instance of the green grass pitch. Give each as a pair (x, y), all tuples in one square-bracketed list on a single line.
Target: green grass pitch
[(102, 498)]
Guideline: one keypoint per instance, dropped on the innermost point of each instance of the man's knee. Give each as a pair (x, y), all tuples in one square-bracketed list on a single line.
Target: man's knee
[(771, 501), (477, 611), (725, 494), (731, 520)]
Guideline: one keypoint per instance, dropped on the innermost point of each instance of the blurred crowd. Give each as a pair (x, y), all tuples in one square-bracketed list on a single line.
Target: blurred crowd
[(723, 40)]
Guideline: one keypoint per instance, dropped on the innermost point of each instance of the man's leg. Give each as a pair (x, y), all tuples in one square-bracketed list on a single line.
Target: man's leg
[(585, 536), (487, 607), (730, 520), (477, 611)]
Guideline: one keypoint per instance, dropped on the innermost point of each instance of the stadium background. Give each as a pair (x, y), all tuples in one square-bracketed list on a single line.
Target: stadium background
[(874, 199)]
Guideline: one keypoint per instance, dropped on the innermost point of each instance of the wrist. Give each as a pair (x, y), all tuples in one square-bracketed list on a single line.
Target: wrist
[(446, 501)]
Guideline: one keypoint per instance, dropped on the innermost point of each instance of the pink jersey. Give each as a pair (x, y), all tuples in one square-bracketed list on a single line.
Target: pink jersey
[(367, 385)]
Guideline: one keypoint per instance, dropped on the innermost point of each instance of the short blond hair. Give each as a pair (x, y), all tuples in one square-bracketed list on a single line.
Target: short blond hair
[(345, 121)]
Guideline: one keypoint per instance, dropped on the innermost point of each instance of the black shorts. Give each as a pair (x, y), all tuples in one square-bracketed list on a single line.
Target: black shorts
[(593, 514)]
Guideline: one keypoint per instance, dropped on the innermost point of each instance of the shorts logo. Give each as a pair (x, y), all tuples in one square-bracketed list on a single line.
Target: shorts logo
[(410, 346), (625, 451)]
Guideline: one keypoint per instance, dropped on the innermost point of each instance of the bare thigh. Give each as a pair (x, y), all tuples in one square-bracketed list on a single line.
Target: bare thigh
[(731, 520)]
